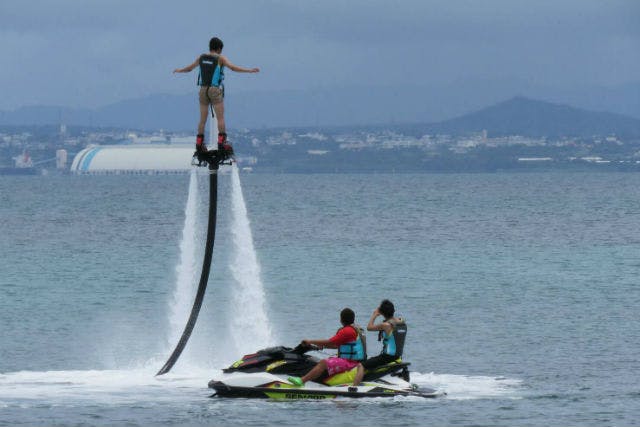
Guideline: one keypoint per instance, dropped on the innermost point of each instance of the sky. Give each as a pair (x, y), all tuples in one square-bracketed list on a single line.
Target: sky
[(91, 53)]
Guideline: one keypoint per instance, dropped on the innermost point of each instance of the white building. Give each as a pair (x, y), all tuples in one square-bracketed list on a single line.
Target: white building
[(105, 159)]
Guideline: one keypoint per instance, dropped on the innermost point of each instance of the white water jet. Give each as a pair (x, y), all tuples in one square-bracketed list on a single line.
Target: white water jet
[(186, 271), (251, 329)]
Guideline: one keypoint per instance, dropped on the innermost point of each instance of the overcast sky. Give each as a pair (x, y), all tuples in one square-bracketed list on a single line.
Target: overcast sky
[(90, 53)]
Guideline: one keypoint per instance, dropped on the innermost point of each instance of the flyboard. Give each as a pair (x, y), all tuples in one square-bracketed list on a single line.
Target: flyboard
[(211, 159)]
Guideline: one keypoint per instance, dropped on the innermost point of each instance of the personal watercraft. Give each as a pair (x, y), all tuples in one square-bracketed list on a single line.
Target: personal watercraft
[(264, 375)]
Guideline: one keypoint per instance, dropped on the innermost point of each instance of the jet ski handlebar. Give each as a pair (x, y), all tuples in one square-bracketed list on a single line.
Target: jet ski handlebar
[(303, 348)]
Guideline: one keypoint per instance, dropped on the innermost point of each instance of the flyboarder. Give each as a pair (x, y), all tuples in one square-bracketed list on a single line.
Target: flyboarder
[(211, 92)]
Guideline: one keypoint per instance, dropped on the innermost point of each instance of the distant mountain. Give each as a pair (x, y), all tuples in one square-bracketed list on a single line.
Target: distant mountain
[(623, 99), (528, 117), (386, 106), (171, 112), (332, 106)]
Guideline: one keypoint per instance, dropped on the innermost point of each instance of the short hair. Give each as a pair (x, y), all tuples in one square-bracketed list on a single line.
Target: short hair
[(215, 44), (386, 308), (347, 317)]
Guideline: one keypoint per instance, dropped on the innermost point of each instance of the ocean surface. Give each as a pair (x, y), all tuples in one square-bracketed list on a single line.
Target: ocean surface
[(521, 292)]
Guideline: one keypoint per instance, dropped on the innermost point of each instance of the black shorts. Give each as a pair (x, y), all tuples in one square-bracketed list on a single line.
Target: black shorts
[(375, 361)]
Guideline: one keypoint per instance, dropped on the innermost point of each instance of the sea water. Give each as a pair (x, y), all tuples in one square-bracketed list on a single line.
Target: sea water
[(520, 290)]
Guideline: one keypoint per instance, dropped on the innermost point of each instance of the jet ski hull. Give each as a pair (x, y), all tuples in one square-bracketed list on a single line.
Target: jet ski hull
[(268, 386), (224, 390)]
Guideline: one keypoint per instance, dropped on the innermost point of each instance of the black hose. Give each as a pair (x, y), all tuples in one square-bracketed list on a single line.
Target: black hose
[(206, 266)]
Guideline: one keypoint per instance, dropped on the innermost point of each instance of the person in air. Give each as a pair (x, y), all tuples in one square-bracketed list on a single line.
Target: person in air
[(351, 350), (391, 331), (211, 92)]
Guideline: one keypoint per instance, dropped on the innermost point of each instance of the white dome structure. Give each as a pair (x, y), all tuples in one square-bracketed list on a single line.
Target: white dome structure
[(106, 159)]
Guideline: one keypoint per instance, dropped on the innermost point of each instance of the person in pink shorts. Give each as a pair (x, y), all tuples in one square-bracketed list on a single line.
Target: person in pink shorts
[(350, 347)]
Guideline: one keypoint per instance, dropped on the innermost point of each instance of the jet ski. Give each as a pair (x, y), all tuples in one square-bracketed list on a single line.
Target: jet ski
[(264, 375)]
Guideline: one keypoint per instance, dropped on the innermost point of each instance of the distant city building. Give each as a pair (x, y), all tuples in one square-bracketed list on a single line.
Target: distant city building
[(534, 159), (61, 159)]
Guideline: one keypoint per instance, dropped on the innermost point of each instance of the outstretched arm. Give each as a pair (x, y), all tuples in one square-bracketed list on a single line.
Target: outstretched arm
[(224, 61), (188, 68)]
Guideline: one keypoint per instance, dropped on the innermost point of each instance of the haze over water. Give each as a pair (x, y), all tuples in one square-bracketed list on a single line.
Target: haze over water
[(520, 291)]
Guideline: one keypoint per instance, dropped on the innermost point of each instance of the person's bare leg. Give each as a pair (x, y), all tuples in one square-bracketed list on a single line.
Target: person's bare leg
[(219, 111), (201, 147), (359, 375), (204, 113), (315, 372)]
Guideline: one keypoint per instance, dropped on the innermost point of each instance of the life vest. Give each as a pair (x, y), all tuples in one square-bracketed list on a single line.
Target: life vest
[(211, 72), (393, 344), (354, 350)]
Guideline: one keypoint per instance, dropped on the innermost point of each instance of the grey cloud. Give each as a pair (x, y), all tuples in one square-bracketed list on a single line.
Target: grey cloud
[(103, 50)]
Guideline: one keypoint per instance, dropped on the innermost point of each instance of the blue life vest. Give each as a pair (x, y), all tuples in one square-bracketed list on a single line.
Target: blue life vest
[(354, 350), (393, 344), (211, 72)]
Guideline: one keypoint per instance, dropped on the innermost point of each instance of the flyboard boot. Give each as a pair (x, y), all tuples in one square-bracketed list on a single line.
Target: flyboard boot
[(222, 156), (225, 150)]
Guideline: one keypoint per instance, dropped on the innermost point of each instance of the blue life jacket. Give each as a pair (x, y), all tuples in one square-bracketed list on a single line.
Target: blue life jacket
[(354, 350), (211, 72), (393, 344)]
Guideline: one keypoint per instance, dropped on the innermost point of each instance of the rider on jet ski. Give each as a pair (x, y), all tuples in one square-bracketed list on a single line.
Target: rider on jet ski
[(351, 351), (391, 331)]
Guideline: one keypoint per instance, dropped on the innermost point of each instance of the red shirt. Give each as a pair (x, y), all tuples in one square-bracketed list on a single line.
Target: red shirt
[(343, 336)]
